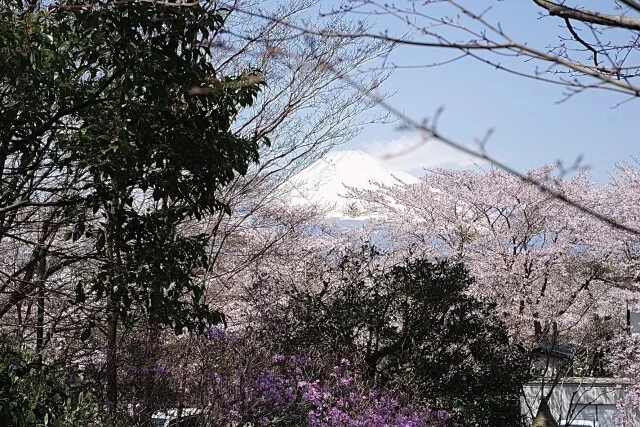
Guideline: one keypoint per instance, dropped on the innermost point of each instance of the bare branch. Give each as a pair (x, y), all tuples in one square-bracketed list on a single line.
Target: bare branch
[(618, 21), (632, 4)]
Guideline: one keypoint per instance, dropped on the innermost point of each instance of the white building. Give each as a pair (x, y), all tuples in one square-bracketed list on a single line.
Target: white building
[(575, 398)]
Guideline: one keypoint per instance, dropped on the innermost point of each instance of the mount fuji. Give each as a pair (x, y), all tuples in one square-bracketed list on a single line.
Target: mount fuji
[(324, 182)]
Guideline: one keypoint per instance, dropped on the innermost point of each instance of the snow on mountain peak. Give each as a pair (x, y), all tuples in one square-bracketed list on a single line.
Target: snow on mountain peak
[(324, 182)]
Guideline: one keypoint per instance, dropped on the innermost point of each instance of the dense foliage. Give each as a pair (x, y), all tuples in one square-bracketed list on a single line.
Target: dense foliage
[(35, 395), (413, 327), (115, 131)]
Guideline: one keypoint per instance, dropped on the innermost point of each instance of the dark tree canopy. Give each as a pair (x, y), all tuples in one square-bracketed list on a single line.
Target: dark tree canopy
[(416, 329)]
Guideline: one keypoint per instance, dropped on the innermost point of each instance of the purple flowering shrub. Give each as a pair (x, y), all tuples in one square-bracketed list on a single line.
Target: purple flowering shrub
[(144, 380), (245, 383), (343, 400)]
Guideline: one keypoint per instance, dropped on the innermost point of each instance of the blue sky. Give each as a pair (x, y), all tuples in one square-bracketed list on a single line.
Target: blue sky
[(531, 128)]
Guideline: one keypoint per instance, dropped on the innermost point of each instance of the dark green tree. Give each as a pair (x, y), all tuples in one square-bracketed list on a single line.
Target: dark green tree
[(115, 132), (415, 327)]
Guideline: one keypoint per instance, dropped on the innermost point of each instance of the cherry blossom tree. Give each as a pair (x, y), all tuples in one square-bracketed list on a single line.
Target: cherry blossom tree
[(543, 262)]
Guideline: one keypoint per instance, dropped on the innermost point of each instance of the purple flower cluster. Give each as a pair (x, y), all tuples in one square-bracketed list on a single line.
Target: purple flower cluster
[(268, 388), (218, 335), (342, 401)]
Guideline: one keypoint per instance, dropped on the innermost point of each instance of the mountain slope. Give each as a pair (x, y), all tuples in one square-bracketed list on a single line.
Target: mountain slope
[(323, 183)]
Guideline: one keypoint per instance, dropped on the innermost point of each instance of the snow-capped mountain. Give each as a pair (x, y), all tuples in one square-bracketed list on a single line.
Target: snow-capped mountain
[(324, 182)]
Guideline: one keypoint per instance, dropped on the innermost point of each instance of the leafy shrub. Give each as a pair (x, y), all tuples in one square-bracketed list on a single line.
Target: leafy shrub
[(32, 394)]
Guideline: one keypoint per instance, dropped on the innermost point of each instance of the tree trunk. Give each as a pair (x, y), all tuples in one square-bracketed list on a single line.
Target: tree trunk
[(112, 361), (152, 338), (544, 418), (112, 326), (42, 270)]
